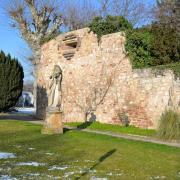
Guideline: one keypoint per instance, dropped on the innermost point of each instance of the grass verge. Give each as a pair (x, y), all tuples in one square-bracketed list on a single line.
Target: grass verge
[(113, 128), (81, 155)]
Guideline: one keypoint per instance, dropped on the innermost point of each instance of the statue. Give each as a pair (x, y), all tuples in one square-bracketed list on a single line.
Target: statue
[(54, 115), (54, 94)]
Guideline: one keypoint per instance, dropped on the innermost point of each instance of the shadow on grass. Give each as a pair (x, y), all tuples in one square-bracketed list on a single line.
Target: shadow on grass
[(18, 117), (66, 130), (100, 160), (79, 127), (84, 125)]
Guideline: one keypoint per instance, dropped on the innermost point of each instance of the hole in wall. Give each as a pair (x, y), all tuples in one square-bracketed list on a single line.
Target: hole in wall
[(71, 44)]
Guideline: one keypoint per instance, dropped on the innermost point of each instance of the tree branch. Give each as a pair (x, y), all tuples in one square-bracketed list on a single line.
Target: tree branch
[(17, 16), (57, 22)]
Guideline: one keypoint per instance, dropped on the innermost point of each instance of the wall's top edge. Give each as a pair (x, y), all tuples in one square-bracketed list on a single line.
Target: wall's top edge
[(83, 30)]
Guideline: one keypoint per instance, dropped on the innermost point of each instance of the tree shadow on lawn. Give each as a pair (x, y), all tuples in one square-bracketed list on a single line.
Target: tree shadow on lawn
[(79, 127), (84, 125), (100, 160), (18, 117), (66, 130)]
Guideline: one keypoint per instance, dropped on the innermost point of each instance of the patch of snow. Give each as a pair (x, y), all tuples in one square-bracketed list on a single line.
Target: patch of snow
[(50, 176), (36, 164), (30, 111), (5, 155), (93, 171), (53, 177), (82, 171), (87, 170), (119, 174), (58, 168), (5, 169), (50, 154), (6, 177), (89, 161), (37, 176), (67, 174), (96, 178), (33, 174), (178, 175), (158, 177), (110, 174), (57, 177), (31, 148)]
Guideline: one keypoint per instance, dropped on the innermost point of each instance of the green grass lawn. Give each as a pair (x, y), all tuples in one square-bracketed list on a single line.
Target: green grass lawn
[(113, 128), (81, 155)]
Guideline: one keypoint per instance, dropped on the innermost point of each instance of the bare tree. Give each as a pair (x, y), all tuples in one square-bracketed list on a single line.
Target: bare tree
[(78, 14), (104, 7), (93, 96), (133, 10), (167, 12), (36, 20)]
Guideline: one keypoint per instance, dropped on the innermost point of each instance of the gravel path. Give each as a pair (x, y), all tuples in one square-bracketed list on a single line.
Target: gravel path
[(124, 136), (132, 137)]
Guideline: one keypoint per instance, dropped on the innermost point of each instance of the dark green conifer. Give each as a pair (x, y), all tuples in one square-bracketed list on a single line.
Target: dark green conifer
[(11, 81)]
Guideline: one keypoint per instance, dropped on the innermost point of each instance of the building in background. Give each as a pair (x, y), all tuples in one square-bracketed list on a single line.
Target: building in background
[(26, 100)]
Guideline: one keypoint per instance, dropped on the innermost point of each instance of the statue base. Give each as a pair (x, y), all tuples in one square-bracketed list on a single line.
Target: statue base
[(53, 122)]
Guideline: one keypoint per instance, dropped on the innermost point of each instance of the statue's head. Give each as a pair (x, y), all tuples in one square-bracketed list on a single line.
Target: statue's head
[(57, 71)]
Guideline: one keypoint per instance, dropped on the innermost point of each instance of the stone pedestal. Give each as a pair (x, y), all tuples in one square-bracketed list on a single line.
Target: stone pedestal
[(53, 123)]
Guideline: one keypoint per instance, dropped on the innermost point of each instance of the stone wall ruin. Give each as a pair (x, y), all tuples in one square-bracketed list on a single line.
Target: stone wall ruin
[(98, 76)]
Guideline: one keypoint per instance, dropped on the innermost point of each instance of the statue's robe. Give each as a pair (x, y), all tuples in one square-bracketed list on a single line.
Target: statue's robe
[(54, 99)]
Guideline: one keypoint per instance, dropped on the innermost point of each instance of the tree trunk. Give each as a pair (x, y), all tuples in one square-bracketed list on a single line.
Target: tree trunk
[(40, 92), (86, 116), (41, 101)]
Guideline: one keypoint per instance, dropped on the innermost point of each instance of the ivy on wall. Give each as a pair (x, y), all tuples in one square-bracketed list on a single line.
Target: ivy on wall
[(148, 46)]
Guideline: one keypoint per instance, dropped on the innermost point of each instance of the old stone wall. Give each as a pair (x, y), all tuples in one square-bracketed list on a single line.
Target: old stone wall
[(98, 77)]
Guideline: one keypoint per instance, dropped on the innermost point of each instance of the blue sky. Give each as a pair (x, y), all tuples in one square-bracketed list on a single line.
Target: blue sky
[(11, 42)]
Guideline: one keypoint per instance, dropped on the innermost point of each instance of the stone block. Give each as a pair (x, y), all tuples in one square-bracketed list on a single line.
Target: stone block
[(53, 123)]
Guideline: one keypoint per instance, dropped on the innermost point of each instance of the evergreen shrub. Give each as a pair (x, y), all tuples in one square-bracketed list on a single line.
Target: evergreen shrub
[(11, 81)]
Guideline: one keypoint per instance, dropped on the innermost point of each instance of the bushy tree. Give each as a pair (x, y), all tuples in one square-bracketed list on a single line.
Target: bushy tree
[(11, 81), (166, 32), (153, 46), (110, 24), (139, 41), (139, 47), (37, 22), (156, 44), (165, 44)]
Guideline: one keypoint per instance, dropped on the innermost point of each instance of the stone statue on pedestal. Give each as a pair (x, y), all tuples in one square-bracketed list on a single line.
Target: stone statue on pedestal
[(53, 121), (54, 93)]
